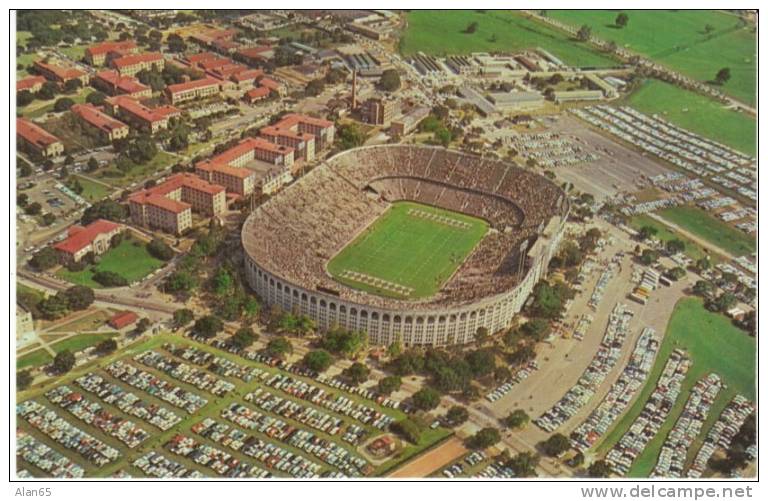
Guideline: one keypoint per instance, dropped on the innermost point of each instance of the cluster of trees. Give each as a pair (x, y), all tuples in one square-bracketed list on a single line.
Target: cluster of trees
[(448, 372), (736, 457), (159, 249), (158, 80), (484, 438), (410, 429), (516, 419), (317, 360), (390, 80), (52, 27), (109, 279), (356, 373), (104, 209), (555, 445), (182, 317), (349, 135), (243, 337), (549, 299), (457, 415), (287, 323), (435, 123), (389, 384), (344, 342), (134, 151), (279, 347), (75, 298), (207, 327)]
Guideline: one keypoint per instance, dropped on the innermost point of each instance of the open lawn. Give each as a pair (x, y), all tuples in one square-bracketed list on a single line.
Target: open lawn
[(88, 322), (92, 191), (113, 176), (443, 32), (711, 229), (696, 113), (39, 108), (129, 259), (714, 345), (678, 40), (665, 234), (408, 249), (73, 344)]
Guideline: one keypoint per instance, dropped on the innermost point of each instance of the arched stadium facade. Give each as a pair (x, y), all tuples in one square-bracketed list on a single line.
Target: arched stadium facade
[(289, 240)]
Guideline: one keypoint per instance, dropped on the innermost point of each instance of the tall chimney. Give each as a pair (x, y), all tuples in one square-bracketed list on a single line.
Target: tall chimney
[(354, 90)]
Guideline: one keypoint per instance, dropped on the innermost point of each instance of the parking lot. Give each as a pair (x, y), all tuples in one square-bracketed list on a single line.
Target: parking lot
[(187, 410)]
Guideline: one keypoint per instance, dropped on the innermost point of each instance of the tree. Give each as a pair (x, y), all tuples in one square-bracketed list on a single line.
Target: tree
[(471, 28), (104, 209), (96, 98), (481, 335), (72, 86), (349, 135), (524, 464), (315, 87), (556, 445), (599, 469), (457, 415), (182, 317), (63, 104), (176, 43), (356, 373), (703, 288), (547, 303), (676, 273), (47, 91), (25, 170), (723, 76), (33, 209), (180, 281), (106, 346), (481, 362), (279, 347), (724, 302), (621, 20), (159, 249), (207, 327), (23, 379), (79, 297), (484, 438), (244, 337), (426, 399), (649, 256), (516, 419), (390, 80), (408, 429), (24, 98), (675, 246), (647, 232), (584, 33), (63, 361), (142, 325), (109, 279), (389, 384), (318, 360), (48, 219), (53, 307), (703, 264), (344, 342), (92, 164)]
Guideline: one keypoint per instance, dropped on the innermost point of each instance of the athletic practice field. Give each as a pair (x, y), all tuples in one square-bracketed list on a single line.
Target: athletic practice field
[(409, 252)]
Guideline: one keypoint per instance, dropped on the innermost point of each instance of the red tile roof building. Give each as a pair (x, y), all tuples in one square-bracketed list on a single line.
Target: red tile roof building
[(60, 74), (246, 79), (255, 56), (32, 84), (134, 63), (169, 205), (109, 128), (96, 55), (113, 84), (195, 89), (96, 238), (257, 94), (140, 116), (122, 319), (33, 138), (272, 85)]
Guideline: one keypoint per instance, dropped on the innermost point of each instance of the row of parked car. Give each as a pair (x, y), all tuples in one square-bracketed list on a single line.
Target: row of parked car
[(218, 365), (455, 470), (516, 378), (674, 452), (617, 399), (128, 402), (92, 413), (222, 462), (602, 363), (722, 432), (326, 450), (155, 464), (653, 415), (46, 459), (270, 455), (289, 409), (198, 378), (50, 424), (157, 387)]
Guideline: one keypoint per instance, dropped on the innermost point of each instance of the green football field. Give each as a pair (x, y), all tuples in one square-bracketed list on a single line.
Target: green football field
[(409, 252)]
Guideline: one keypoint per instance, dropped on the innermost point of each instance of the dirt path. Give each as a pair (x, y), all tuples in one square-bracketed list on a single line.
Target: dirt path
[(425, 464)]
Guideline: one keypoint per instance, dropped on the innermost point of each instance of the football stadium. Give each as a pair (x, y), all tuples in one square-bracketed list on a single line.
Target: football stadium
[(418, 244)]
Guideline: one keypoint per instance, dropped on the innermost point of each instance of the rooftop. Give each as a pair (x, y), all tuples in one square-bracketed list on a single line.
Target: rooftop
[(82, 236), (34, 134)]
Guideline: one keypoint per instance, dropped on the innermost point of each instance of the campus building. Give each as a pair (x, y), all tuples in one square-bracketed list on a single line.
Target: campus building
[(34, 139), (81, 240), (169, 205), (107, 127), (32, 83), (195, 89), (134, 63), (96, 55), (140, 116), (112, 83), (378, 110), (60, 74)]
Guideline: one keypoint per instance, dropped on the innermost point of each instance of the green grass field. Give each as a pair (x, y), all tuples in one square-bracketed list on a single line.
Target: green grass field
[(92, 191), (697, 113), (714, 345), (711, 229), (73, 344), (678, 40), (409, 250), (130, 259), (442, 32)]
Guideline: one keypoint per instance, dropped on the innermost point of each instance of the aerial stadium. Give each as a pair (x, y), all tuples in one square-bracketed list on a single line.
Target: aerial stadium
[(415, 244)]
